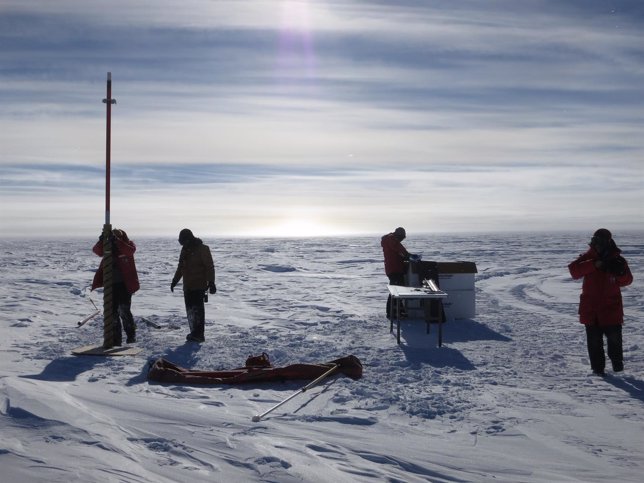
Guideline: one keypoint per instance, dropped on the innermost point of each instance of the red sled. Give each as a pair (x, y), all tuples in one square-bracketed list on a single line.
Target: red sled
[(257, 369)]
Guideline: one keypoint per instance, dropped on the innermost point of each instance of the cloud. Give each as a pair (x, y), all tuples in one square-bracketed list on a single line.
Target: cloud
[(231, 200), (360, 107)]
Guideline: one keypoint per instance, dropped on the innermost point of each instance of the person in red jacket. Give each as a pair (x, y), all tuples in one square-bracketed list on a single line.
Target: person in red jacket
[(395, 257), (125, 282), (604, 271)]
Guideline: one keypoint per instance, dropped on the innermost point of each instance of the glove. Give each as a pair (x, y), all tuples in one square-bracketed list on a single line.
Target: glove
[(615, 266), (212, 288), (174, 283)]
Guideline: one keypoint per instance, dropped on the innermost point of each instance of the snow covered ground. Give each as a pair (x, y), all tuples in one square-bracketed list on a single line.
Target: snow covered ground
[(509, 397)]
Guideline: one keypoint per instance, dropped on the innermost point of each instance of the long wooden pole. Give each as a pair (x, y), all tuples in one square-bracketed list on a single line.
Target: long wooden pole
[(108, 315)]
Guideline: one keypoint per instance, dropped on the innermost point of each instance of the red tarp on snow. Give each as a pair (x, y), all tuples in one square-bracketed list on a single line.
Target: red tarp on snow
[(165, 371)]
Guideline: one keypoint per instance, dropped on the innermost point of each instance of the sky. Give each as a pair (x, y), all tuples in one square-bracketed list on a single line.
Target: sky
[(321, 117)]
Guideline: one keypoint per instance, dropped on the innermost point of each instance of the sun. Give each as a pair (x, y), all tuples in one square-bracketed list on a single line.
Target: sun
[(296, 16)]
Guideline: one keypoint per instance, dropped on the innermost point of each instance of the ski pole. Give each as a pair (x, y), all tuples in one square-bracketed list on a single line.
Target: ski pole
[(90, 299), (258, 417), (88, 318), (91, 316)]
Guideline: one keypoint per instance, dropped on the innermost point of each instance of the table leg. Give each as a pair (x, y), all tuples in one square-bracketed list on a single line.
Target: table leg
[(398, 319), (440, 323)]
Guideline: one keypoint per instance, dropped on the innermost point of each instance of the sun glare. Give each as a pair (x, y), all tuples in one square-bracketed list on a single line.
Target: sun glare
[(295, 16), (296, 228)]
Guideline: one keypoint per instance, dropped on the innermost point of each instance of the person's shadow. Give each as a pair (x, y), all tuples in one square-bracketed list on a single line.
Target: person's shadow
[(628, 384), (66, 368), (184, 355)]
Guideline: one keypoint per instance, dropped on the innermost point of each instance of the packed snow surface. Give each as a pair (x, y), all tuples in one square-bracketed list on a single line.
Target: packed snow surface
[(509, 397)]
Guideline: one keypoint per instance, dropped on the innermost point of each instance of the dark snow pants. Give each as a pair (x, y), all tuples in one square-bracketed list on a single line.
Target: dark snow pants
[(196, 313), (122, 314), (394, 279), (595, 342)]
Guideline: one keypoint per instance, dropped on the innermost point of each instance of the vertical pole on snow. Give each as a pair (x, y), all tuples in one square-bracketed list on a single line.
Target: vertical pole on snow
[(108, 313)]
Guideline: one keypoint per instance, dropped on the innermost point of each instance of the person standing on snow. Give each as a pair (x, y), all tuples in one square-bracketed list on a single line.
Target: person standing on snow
[(604, 271), (198, 272), (125, 282), (395, 257)]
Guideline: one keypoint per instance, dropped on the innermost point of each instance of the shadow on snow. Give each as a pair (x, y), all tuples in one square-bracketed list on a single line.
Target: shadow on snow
[(628, 384), (66, 368), (184, 355), (420, 347)]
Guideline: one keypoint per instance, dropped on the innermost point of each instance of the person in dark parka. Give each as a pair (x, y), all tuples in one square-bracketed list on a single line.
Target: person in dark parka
[(197, 269), (395, 255), (604, 272)]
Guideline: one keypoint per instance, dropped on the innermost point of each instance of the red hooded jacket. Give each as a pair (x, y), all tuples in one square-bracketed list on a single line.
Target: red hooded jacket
[(395, 254), (601, 298), (123, 254)]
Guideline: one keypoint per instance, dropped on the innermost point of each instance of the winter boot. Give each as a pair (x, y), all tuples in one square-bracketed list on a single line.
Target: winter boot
[(195, 338)]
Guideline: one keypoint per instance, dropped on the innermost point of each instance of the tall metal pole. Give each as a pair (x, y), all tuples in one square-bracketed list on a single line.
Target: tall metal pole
[(108, 315)]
